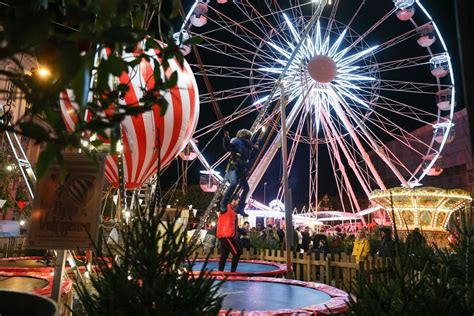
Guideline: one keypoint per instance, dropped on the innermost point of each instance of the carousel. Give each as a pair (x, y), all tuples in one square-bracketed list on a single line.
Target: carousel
[(426, 208)]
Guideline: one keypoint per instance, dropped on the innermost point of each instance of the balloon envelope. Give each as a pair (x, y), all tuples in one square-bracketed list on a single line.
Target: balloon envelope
[(146, 135)]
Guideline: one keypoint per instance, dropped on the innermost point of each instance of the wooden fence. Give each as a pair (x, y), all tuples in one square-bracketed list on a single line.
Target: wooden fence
[(12, 247), (339, 270)]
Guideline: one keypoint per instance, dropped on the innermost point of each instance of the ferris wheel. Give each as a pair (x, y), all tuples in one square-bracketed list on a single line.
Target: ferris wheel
[(359, 77)]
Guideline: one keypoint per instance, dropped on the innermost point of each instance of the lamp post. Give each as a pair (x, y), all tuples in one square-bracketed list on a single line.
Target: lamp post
[(265, 193)]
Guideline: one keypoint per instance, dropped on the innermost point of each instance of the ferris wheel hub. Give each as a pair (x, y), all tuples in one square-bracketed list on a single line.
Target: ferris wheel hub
[(322, 68)]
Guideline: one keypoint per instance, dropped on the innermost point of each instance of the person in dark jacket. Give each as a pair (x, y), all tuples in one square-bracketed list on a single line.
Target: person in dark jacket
[(244, 238), (387, 246), (316, 238), (323, 247), (242, 150), (227, 235), (306, 239)]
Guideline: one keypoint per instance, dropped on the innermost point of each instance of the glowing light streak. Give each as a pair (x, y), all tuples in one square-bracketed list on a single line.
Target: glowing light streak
[(335, 47), (352, 77), (261, 100), (272, 70), (352, 97), (291, 27), (356, 56), (280, 50)]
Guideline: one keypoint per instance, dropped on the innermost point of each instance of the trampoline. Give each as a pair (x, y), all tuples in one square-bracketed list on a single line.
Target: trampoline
[(34, 280), (21, 283), (26, 262), (271, 296), (245, 268)]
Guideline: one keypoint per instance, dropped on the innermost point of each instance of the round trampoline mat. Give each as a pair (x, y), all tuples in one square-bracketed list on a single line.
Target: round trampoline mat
[(22, 283), (271, 296), (245, 267), (25, 263), (260, 296)]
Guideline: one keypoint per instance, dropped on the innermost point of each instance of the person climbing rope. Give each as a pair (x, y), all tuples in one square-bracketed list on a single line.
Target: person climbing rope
[(242, 150)]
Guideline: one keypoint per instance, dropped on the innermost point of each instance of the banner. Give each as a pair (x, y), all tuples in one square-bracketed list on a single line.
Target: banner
[(66, 209)]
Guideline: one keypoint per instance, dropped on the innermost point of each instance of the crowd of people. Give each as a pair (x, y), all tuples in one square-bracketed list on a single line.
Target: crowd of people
[(305, 240)]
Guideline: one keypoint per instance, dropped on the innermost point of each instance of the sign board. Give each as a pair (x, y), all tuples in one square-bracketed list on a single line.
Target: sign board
[(66, 213), (9, 229)]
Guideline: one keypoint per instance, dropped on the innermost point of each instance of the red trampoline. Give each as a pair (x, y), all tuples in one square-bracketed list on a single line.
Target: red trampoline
[(271, 296), (245, 268), (33, 280)]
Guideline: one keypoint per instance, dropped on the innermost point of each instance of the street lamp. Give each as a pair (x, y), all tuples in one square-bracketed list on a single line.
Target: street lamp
[(265, 193)]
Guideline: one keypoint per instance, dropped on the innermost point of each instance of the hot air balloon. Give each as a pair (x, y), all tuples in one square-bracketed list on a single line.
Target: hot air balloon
[(141, 134)]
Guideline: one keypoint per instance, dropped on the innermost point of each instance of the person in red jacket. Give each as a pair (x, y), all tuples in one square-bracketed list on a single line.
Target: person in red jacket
[(227, 235)]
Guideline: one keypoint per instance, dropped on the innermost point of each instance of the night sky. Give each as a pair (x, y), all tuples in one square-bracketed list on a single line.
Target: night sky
[(442, 13)]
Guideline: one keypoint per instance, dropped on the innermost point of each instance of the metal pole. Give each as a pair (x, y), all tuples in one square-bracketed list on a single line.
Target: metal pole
[(286, 194)]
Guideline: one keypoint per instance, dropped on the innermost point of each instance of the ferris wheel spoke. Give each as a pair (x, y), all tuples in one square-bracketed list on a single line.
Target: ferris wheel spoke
[(337, 157), (275, 15), (396, 40), (232, 26), (341, 54), (401, 137), (393, 65), (231, 72), (406, 86), (233, 93), (336, 101), (337, 136), (228, 49), (226, 120), (332, 18), (363, 129), (409, 112)]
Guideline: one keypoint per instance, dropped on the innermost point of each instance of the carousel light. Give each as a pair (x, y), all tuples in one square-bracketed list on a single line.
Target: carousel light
[(44, 72), (9, 167), (213, 223), (22, 222)]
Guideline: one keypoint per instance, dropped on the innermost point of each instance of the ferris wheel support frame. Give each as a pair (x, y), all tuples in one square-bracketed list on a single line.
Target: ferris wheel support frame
[(263, 111)]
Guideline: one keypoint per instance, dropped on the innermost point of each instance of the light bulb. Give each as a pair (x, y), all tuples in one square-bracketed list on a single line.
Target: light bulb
[(44, 72)]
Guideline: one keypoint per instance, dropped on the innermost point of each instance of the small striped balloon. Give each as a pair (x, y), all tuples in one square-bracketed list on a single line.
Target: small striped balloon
[(142, 134)]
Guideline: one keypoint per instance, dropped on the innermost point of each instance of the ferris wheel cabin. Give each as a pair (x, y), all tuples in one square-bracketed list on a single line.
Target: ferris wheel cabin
[(405, 9), (426, 35), (439, 66)]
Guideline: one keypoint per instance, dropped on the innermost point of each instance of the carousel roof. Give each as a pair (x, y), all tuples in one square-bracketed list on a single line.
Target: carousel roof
[(425, 207)]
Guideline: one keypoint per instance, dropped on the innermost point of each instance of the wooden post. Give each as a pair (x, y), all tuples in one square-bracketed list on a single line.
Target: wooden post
[(328, 269), (58, 275), (308, 268)]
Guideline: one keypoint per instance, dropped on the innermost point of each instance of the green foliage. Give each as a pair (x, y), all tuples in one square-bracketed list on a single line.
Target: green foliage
[(65, 37), (424, 280), (149, 278)]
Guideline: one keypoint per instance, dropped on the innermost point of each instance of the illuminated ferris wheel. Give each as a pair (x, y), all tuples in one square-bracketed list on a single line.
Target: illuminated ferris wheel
[(359, 78)]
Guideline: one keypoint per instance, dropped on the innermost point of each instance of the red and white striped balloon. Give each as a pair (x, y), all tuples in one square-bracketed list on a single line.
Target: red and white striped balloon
[(140, 133)]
